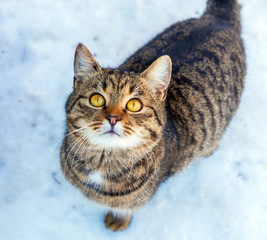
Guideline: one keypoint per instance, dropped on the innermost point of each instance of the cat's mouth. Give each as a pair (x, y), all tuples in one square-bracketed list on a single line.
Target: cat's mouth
[(111, 132)]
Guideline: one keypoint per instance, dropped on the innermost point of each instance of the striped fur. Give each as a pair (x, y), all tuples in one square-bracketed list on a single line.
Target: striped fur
[(208, 69)]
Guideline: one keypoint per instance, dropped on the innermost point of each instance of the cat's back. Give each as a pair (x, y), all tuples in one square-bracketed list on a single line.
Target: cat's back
[(207, 82)]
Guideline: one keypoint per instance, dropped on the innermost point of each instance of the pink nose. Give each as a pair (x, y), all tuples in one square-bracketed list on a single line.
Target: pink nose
[(113, 119)]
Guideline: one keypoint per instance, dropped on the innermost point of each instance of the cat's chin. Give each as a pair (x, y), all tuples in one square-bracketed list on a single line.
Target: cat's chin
[(111, 133), (113, 140)]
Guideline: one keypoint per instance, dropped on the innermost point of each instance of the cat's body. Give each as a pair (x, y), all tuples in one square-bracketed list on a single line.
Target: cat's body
[(122, 169)]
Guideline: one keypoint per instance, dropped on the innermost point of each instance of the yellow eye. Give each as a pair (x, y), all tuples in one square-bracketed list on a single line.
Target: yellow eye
[(134, 105), (97, 100)]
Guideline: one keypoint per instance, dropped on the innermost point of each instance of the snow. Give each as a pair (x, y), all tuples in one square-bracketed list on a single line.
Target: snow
[(220, 197)]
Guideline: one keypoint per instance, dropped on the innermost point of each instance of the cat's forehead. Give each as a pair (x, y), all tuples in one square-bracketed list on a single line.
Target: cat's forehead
[(120, 79), (118, 83)]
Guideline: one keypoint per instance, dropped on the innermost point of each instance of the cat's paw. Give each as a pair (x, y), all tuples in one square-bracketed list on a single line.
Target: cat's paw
[(115, 223)]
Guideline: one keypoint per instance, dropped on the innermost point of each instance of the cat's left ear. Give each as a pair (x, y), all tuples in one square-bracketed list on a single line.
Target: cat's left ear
[(84, 63), (158, 76)]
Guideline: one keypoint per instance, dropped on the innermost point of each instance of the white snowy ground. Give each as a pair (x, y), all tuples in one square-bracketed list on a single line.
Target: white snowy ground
[(220, 197)]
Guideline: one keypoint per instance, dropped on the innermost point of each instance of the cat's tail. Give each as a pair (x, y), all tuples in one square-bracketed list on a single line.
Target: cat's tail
[(227, 11)]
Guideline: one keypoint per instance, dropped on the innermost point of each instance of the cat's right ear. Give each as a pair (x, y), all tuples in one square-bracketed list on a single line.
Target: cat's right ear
[(84, 64)]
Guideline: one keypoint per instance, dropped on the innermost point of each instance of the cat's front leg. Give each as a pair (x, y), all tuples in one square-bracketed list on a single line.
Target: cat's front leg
[(117, 222)]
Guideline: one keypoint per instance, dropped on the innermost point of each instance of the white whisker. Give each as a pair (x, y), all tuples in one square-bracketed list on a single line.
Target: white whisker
[(76, 130)]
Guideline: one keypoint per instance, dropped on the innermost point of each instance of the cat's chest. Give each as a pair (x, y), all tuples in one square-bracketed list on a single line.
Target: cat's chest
[(99, 166), (110, 171)]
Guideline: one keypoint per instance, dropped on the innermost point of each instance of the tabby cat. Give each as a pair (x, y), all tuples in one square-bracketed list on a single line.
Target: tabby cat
[(130, 128)]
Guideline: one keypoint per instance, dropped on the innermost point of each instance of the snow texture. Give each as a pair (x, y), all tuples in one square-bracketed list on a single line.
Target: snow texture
[(220, 197)]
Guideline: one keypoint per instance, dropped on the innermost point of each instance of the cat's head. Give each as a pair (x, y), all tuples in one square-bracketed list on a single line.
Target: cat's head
[(113, 109)]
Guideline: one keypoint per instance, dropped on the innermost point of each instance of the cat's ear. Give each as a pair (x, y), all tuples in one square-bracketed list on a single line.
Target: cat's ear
[(158, 76), (84, 64)]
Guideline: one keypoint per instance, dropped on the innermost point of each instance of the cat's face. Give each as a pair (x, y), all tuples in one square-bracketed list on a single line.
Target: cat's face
[(113, 109)]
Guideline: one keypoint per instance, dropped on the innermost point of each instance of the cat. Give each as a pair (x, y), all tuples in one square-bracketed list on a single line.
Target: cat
[(130, 128)]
